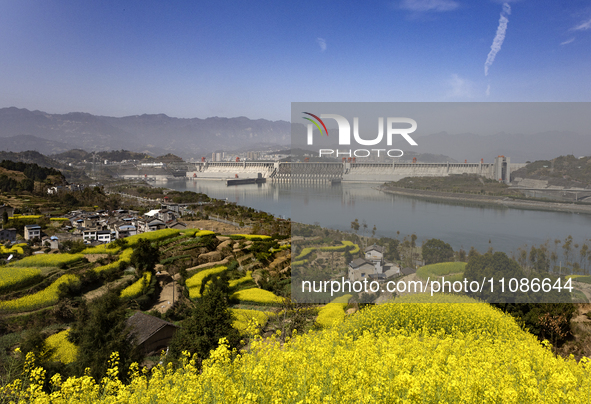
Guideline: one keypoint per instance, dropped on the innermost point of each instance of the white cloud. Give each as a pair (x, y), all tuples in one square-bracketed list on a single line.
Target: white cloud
[(568, 41), (488, 90), (584, 26), (506, 8), (322, 43), (499, 38), (429, 5), (459, 87)]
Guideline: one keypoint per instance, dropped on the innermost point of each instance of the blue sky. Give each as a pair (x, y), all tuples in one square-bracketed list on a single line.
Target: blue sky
[(244, 58)]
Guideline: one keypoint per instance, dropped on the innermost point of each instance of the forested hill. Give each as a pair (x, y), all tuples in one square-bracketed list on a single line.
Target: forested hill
[(564, 171), (32, 157), (32, 171), (17, 176)]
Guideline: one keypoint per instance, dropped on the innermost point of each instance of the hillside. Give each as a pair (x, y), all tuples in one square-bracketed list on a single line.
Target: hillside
[(71, 174), (564, 171), (464, 183), (30, 177)]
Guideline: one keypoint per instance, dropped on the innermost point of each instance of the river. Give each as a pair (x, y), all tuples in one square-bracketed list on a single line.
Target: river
[(461, 225)]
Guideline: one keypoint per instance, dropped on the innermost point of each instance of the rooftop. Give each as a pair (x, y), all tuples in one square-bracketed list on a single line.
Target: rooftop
[(377, 248), (357, 262), (144, 326)]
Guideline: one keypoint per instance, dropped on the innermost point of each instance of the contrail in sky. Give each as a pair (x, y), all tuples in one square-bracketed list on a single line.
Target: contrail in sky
[(499, 38)]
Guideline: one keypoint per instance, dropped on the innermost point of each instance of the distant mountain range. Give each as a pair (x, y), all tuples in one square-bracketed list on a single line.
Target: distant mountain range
[(21, 129)]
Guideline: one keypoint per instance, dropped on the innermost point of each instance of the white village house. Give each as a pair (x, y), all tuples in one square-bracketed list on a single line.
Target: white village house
[(372, 266), (32, 231)]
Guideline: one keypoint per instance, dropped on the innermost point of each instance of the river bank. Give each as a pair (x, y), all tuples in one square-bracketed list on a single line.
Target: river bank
[(488, 200)]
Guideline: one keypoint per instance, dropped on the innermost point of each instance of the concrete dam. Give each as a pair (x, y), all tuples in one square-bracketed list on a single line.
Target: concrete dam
[(346, 171)]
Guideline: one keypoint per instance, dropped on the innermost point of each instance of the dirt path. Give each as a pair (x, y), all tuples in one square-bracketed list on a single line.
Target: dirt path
[(169, 294), (224, 244), (580, 316), (95, 257), (277, 262)]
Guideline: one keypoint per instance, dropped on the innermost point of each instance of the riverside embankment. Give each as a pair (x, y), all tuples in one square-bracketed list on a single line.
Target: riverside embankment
[(508, 202)]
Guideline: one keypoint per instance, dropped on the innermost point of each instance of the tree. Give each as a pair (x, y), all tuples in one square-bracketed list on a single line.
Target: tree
[(355, 225), (100, 329), (34, 341), (71, 246), (413, 244), (462, 255), (472, 253), (145, 256), (210, 321), (545, 320), (435, 250), (292, 316), (391, 252), (348, 257), (494, 266), (539, 260), (70, 200), (567, 249)]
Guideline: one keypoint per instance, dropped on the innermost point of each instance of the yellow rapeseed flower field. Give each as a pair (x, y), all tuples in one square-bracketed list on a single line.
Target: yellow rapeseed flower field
[(334, 312), (256, 295), (345, 245), (244, 319), (235, 282), (47, 260), (138, 288), (152, 236), (101, 249), (281, 248), (15, 249), (12, 277), (124, 257), (65, 352), (196, 232), (251, 236), (44, 298), (25, 217), (355, 249), (453, 351), (194, 282)]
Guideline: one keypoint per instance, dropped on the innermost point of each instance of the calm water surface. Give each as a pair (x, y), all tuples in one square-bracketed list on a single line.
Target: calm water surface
[(461, 225)]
